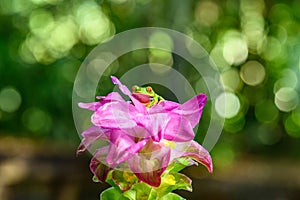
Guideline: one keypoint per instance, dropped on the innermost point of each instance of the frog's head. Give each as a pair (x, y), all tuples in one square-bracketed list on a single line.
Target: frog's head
[(143, 94)]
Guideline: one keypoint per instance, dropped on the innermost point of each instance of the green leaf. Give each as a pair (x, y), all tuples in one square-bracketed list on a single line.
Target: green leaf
[(110, 180), (124, 180), (179, 164), (141, 191), (112, 194), (153, 195), (130, 194), (174, 181), (182, 182), (172, 196)]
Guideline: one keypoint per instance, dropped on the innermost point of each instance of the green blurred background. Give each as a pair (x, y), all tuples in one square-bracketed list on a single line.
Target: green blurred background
[(254, 43)]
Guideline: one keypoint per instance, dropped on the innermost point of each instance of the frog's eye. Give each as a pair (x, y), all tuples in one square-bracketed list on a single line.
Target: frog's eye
[(134, 88), (149, 89)]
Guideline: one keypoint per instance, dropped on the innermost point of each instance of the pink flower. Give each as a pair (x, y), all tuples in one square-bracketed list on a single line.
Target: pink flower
[(145, 139)]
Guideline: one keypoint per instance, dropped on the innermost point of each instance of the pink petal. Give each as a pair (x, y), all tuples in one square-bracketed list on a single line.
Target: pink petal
[(116, 115), (149, 166), (124, 116), (90, 135), (138, 132), (100, 97), (139, 106), (156, 125), (192, 109), (178, 129), (199, 154), (122, 87), (113, 96), (152, 178), (164, 106), (122, 148), (97, 165), (155, 121), (90, 106)]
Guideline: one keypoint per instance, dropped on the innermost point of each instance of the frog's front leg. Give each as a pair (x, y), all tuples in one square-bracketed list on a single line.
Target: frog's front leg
[(155, 99), (160, 98)]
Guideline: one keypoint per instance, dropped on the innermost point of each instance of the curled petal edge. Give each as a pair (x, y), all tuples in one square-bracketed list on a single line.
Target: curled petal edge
[(199, 154), (90, 135)]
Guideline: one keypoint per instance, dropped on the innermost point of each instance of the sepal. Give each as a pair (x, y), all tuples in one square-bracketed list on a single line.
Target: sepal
[(172, 196), (112, 194)]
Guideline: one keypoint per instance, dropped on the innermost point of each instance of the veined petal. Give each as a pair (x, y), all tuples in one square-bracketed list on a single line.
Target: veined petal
[(157, 125), (192, 109), (199, 154), (154, 123), (149, 166), (178, 129), (122, 87), (122, 148), (164, 106), (139, 106), (97, 165), (138, 132), (113, 96), (116, 115), (90, 106), (90, 135)]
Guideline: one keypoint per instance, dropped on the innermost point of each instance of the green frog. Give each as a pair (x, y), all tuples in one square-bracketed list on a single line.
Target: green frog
[(146, 95)]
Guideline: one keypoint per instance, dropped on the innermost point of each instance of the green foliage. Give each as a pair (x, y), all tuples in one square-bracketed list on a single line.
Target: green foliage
[(172, 196), (112, 193), (127, 185)]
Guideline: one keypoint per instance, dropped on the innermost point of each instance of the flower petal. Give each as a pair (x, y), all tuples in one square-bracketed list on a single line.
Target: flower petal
[(113, 96), (116, 115), (122, 87), (90, 135), (139, 106), (199, 154), (165, 106), (192, 109), (122, 148), (90, 106), (156, 125), (97, 166), (178, 129), (154, 121), (148, 167)]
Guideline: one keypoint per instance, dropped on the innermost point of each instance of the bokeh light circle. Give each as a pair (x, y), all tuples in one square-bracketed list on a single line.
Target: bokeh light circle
[(286, 99), (10, 99), (230, 108), (36, 120), (231, 80), (253, 73), (235, 50), (292, 128)]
